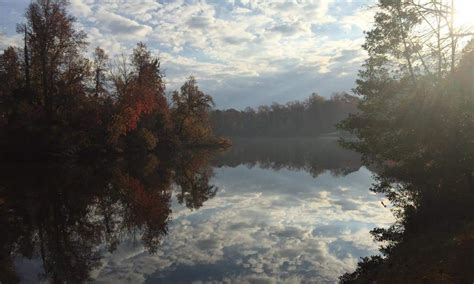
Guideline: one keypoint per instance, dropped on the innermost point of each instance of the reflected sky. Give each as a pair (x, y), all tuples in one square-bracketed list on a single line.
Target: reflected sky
[(263, 226), (294, 211)]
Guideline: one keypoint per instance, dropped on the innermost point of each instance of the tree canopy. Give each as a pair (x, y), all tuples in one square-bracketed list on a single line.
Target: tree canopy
[(415, 123), (58, 100)]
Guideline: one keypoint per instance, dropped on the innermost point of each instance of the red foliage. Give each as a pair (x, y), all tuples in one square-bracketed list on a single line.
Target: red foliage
[(147, 206)]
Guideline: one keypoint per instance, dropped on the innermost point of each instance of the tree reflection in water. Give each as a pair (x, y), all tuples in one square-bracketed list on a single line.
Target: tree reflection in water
[(315, 156), (431, 242), (65, 214)]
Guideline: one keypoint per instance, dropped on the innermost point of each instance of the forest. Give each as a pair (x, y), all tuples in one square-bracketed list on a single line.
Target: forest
[(58, 101), (415, 122), (310, 118)]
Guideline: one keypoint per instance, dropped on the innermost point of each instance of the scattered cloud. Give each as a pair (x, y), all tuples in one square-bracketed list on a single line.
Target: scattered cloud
[(120, 26), (238, 50), (80, 8)]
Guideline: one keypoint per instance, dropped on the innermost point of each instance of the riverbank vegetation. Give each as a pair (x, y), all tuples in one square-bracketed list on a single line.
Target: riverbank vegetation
[(415, 122), (56, 100)]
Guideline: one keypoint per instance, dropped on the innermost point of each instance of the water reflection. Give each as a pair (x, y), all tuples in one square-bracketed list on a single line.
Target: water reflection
[(312, 155), (432, 240), (279, 213), (265, 225), (67, 215)]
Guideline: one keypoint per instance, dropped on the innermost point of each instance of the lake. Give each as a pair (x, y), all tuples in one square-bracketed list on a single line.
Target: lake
[(267, 210)]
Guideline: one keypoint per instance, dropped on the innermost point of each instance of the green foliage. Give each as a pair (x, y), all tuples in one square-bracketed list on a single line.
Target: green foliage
[(421, 131), (190, 112), (415, 125)]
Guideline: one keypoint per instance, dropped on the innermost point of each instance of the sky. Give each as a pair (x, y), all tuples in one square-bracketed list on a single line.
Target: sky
[(242, 52)]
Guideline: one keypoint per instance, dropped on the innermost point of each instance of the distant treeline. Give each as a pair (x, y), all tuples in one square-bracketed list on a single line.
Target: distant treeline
[(309, 118)]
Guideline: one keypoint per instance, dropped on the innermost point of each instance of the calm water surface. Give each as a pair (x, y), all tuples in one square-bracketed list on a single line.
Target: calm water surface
[(285, 210)]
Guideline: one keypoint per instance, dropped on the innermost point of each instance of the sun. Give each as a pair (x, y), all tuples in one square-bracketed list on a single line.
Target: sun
[(464, 13)]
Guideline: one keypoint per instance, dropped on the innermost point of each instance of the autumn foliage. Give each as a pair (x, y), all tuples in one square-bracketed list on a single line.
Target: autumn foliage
[(57, 100)]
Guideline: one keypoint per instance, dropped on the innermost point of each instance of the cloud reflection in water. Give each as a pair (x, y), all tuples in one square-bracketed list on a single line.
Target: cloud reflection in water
[(262, 226)]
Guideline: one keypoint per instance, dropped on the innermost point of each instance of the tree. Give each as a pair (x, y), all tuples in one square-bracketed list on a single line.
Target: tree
[(412, 43), (54, 46), (140, 93), (415, 127), (9, 76), (56, 101), (190, 112), (100, 67)]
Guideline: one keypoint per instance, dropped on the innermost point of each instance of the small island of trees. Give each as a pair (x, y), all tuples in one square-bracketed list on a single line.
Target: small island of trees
[(57, 101)]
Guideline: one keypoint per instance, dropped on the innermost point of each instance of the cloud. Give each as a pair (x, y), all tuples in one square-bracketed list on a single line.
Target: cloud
[(10, 40), (80, 8), (235, 40), (200, 22), (141, 10), (244, 53), (289, 29), (362, 19), (121, 27)]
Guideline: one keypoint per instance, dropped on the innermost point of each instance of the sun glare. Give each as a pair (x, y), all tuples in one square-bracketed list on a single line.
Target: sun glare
[(464, 15)]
